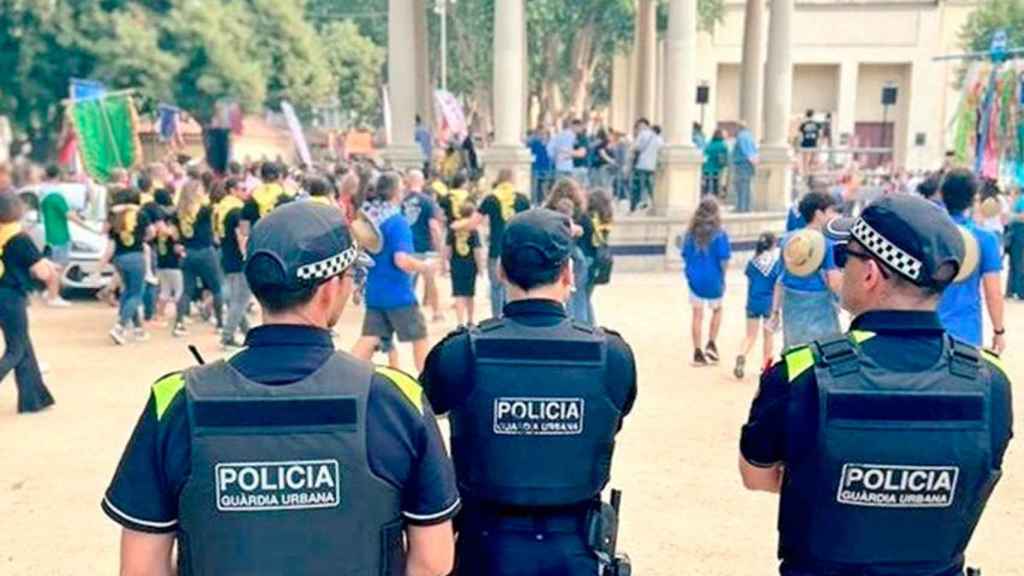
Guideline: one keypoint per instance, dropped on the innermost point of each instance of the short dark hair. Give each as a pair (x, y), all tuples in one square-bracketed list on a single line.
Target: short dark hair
[(10, 207), (164, 197), (235, 168), (459, 180), (389, 184), (317, 186), (52, 172), (529, 278), (269, 171), (269, 292), (144, 183), (958, 190), (928, 187), (814, 201)]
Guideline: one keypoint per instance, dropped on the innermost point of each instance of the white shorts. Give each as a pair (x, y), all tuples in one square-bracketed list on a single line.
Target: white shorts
[(697, 301), (172, 283)]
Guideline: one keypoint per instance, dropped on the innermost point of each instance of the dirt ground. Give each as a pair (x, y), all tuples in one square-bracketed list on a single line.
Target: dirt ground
[(684, 509)]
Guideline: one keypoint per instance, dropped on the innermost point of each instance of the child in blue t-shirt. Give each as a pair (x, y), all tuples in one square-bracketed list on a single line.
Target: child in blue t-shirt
[(762, 272), (706, 253)]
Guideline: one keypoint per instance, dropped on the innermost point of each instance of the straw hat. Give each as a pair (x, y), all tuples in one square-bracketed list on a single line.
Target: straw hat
[(990, 207), (970, 262), (804, 252)]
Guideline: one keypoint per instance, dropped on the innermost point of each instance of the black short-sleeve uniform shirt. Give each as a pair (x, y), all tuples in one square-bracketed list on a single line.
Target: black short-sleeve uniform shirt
[(231, 258), (404, 444), (19, 256), (447, 375), (131, 239), (419, 210), (491, 207), (202, 230), (902, 341)]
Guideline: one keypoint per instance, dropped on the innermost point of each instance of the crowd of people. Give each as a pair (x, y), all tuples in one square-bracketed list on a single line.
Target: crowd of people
[(177, 234), (793, 283)]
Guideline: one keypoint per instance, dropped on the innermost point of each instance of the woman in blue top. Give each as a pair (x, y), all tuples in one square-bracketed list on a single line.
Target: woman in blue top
[(807, 303), (706, 254), (1015, 240), (762, 272)]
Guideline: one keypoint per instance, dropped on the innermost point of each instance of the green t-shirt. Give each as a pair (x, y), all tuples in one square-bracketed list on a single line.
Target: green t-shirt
[(54, 210)]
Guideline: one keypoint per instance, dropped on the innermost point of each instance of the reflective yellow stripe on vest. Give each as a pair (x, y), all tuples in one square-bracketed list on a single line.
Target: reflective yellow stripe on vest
[(408, 385), (165, 390), (800, 360)]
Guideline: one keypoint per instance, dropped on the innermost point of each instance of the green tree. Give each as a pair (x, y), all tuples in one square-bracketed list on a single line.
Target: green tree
[(356, 64), (990, 16)]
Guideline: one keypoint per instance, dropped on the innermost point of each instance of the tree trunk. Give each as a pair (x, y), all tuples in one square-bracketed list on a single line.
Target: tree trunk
[(582, 63)]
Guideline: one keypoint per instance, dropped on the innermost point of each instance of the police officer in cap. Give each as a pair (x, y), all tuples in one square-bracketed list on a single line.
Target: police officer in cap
[(886, 442), (290, 457), (534, 402)]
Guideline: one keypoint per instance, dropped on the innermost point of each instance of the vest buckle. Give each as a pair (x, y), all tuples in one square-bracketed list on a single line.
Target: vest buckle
[(839, 356)]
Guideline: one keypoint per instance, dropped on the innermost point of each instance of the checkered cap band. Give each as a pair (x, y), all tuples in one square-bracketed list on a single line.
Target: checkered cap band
[(329, 267), (886, 251)]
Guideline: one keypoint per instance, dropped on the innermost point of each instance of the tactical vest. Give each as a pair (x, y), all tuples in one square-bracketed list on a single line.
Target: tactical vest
[(902, 466), (539, 427), (280, 482)]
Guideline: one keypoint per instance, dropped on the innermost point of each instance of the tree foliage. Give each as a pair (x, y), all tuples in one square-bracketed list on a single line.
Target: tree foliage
[(356, 63), (990, 16)]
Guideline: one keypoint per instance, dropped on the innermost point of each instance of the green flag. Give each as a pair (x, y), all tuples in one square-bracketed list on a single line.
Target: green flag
[(107, 134)]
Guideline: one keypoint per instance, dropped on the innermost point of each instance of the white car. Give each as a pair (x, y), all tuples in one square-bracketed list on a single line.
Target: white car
[(87, 242)]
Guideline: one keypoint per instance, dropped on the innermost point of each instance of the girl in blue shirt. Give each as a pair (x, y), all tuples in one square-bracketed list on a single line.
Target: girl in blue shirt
[(706, 254), (762, 272)]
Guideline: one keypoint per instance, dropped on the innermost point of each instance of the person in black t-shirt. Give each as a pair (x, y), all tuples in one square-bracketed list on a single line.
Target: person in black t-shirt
[(810, 132), (228, 215), (466, 261), (129, 229), (21, 266), (168, 252), (195, 223), (498, 207)]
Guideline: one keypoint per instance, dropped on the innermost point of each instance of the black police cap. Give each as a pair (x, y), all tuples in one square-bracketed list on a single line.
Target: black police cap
[(300, 244), (537, 239), (910, 235)]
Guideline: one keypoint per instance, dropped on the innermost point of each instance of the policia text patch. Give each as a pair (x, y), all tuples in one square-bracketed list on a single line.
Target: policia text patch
[(260, 486), (538, 416), (888, 486)]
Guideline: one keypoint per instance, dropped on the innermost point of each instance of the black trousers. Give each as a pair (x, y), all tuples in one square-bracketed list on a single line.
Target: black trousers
[(19, 355), (483, 549)]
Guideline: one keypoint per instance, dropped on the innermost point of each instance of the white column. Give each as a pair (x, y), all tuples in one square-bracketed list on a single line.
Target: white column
[(773, 180), (646, 47), (509, 76), (752, 71), (508, 72), (846, 114), (402, 150), (778, 87), (679, 186), (424, 86)]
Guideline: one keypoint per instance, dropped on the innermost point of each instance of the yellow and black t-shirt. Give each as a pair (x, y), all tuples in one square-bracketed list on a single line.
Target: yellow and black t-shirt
[(128, 224), (18, 254), (265, 198)]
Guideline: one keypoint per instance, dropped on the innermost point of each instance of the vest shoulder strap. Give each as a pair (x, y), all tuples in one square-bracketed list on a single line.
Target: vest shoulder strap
[(964, 359), (838, 355)]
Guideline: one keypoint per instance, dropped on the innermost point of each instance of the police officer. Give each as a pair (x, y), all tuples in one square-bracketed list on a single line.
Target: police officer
[(21, 267), (534, 402), (886, 442), (289, 458)]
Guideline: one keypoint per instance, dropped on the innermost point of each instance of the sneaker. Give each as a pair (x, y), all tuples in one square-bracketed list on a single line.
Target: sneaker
[(140, 335), (738, 370), (118, 336), (231, 345), (58, 302), (711, 352), (698, 358), (179, 330)]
